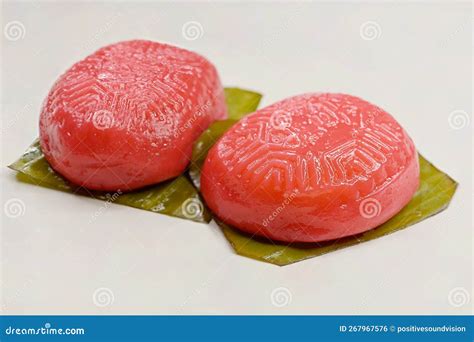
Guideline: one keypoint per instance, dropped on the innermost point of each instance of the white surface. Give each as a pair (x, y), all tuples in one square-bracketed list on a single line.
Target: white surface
[(418, 69)]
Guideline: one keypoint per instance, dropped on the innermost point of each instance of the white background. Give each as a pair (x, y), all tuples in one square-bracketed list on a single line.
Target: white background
[(418, 68)]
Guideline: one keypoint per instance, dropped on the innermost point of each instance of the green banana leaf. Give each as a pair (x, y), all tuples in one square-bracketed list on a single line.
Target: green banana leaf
[(434, 194), (241, 102), (177, 197)]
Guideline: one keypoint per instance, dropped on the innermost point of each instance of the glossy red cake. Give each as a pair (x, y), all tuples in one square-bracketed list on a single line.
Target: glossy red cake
[(311, 168), (127, 115)]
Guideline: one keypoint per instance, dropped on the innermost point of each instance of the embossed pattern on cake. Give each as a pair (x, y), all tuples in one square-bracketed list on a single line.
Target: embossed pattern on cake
[(308, 168), (127, 115)]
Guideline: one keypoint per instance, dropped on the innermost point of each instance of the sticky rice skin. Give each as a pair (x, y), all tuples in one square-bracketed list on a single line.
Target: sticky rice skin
[(127, 115), (313, 167)]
